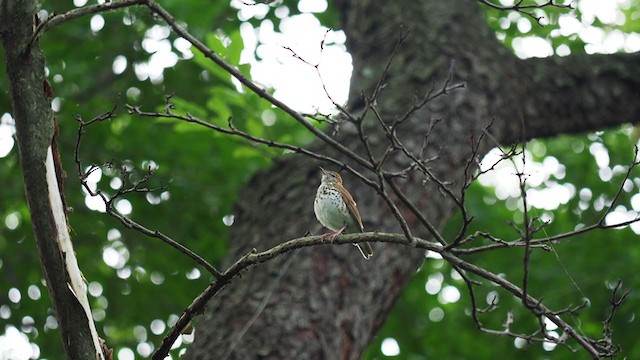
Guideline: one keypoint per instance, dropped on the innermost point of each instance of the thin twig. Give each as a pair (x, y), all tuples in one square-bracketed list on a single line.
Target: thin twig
[(432, 229), (208, 53), (540, 242), (232, 130), (57, 19), (109, 201), (527, 9)]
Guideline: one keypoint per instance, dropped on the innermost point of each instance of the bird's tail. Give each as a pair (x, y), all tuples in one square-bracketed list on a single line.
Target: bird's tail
[(365, 249)]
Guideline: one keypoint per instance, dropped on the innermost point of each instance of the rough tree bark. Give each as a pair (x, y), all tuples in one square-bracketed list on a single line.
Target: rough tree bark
[(326, 302), (34, 120)]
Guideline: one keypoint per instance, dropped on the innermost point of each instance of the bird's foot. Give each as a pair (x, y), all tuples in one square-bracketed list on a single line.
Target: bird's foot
[(332, 238), (332, 235)]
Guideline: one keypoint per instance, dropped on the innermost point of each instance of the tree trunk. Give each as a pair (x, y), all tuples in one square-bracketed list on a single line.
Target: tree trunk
[(34, 120), (327, 302)]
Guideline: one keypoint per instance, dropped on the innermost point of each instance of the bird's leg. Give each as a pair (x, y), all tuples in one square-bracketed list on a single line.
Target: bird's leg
[(332, 235), (332, 238)]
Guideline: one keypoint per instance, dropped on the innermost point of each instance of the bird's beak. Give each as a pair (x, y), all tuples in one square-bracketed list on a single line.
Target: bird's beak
[(323, 170)]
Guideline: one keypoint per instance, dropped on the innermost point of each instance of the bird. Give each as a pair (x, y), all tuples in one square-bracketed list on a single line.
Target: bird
[(336, 210)]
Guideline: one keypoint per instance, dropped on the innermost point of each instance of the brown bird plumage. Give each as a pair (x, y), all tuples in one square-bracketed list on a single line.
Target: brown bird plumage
[(336, 210)]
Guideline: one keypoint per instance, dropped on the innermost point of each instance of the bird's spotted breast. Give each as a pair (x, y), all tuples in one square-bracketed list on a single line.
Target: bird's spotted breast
[(330, 208)]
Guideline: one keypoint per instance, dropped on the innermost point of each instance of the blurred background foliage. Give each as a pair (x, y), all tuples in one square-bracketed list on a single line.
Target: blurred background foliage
[(138, 285)]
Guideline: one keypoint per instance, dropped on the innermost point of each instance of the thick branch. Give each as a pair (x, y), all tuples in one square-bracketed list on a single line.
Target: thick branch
[(577, 93), (254, 258)]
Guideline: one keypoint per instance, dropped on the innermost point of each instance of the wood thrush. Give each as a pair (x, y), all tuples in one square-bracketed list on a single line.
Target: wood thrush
[(336, 210)]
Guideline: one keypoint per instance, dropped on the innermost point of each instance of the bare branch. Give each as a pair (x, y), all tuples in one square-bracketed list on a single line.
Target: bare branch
[(232, 130), (316, 67), (432, 229), (54, 20), (541, 242), (527, 9), (136, 187), (605, 345), (171, 21), (254, 258), (535, 305)]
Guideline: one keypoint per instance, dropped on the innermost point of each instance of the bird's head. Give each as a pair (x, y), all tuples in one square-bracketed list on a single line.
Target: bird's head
[(330, 177)]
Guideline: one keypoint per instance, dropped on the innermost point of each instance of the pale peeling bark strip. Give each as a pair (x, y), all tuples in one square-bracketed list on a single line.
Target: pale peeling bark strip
[(76, 280)]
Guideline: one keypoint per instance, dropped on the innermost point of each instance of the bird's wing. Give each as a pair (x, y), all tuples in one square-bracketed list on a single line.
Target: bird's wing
[(351, 205)]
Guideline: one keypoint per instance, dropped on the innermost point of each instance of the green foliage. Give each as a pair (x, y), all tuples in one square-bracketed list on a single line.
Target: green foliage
[(571, 37), (585, 267), (197, 172)]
